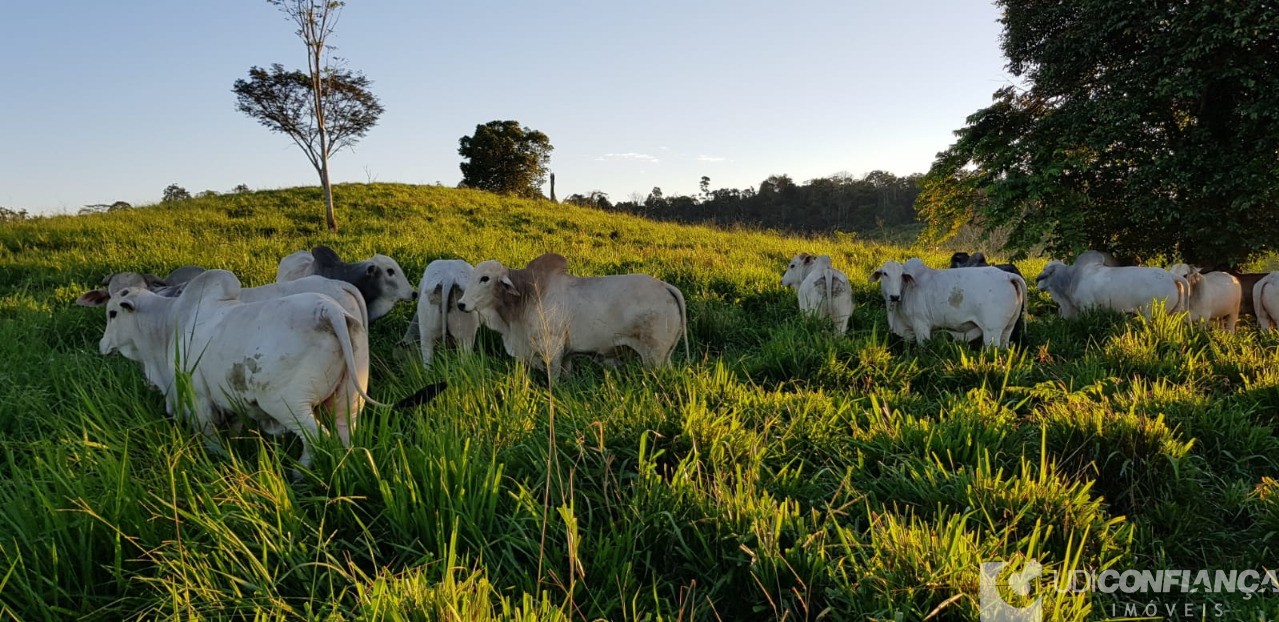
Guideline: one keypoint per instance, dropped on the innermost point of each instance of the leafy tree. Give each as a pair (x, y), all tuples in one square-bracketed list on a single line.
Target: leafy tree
[(13, 215), (241, 189), (323, 109), (1148, 128), (505, 158), (119, 205), (173, 193)]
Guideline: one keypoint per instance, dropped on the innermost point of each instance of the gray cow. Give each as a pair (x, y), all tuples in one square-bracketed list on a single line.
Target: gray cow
[(380, 279)]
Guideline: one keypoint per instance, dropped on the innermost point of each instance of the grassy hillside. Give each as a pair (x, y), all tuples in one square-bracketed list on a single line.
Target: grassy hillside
[(782, 473)]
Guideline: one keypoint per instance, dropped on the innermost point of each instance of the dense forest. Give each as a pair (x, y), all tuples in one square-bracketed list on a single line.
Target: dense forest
[(836, 203)]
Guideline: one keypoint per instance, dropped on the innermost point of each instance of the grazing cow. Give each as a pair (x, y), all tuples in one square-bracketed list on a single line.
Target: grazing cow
[(380, 279), (544, 313), (169, 286), (344, 293), (822, 290), (276, 360), (437, 316), (1265, 299), (971, 303), (1126, 289), (1213, 296), (978, 260)]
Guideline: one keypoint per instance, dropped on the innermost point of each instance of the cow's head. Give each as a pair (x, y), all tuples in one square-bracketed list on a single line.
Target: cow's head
[(797, 270), (489, 288), (113, 283), (1048, 278), (122, 332), (383, 283), (893, 280)]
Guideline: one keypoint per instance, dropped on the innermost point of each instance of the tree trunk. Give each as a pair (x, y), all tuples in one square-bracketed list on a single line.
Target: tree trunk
[(330, 218)]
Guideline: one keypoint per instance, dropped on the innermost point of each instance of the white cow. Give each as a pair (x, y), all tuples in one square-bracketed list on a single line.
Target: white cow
[(437, 317), (344, 293), (1213, 296), (1126, 289), (1265, 300), (822, 290), (380, 279), (544, 313), (970, 303), (277, 360)]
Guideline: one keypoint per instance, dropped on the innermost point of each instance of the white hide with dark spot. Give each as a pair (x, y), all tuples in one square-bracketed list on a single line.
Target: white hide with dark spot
[(970, 303), (277, 360)]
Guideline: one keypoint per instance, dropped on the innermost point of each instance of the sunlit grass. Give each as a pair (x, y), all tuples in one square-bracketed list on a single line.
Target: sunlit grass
[(781, 473)]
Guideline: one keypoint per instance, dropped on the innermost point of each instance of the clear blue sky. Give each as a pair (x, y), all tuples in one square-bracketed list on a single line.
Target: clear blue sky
[(108, 101)]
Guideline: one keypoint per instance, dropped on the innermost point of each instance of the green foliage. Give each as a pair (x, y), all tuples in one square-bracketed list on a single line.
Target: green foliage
[(780, 473), (174, 192), (505, 158), (839, 202), (283, 102), (1146, 128)]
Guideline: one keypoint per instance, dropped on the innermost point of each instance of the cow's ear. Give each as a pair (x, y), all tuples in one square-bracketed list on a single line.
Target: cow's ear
[(874, 276), (509, 286), (372, 270), (153, 281), (907, 279), (93, 298), (325, 256), (808, 259), (127, 305)]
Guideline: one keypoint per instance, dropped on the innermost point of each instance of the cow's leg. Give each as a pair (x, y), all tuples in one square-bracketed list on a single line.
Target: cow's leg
[(922, 332), (1005, 336), (344, 405), (466, 341), (204, 420), (428, 348), (1231, 320), (297, 417)]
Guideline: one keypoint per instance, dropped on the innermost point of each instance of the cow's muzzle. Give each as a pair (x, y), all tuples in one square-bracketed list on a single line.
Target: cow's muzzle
[(461, 306), (896, 298)]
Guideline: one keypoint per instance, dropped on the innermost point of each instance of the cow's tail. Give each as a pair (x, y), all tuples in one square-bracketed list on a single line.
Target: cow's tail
[(683, 315), (338, 319), (1264, 316), (446, 289), (1183, 294), (1019, 284), (828, 275)]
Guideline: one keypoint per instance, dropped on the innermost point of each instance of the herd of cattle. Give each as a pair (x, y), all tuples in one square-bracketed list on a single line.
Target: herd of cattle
[(282, 352)]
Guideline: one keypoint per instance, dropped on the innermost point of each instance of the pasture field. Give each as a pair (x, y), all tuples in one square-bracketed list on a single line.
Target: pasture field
[(782, 473)]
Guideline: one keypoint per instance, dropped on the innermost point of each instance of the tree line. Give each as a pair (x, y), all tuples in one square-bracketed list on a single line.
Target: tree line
[(839, 202)]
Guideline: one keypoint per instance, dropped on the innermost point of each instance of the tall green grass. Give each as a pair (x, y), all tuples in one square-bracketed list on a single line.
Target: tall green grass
[(781, 473)]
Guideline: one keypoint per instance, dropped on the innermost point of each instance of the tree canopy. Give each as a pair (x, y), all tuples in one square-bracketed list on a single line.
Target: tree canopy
[(281, 100), (323, 109), (1145, 128), (506, 158)]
